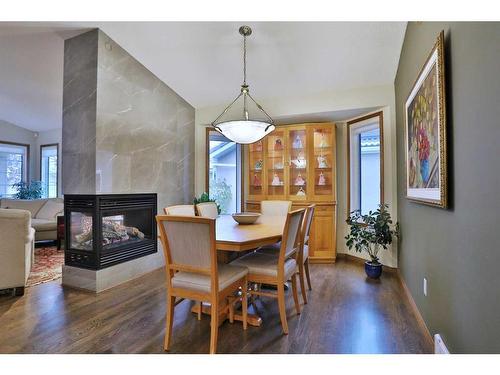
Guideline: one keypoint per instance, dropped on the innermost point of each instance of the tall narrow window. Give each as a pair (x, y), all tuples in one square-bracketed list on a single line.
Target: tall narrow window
[(365, 161), (13, 166), (223, 172), (48, 170)]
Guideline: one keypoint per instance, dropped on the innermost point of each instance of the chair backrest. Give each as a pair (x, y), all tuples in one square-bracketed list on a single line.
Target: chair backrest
[(306, 229), (306, 226), (188, 244), (208, 209), (275, 208), (180, 210), (290, 243)]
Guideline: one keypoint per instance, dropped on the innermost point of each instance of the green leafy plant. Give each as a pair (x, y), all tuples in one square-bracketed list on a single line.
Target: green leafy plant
[(203, 198), (371, 232), (28, 191), (220, 190)]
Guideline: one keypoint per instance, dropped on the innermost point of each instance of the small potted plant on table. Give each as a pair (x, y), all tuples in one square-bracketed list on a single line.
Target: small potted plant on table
[(370, 233)]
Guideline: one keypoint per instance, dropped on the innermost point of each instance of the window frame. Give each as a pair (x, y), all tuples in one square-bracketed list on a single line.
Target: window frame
[(26, 168), (209, 129), (40, 166), (350, 123)]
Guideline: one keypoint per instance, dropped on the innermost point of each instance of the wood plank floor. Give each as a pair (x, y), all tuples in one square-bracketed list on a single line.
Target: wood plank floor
[(346, 313)]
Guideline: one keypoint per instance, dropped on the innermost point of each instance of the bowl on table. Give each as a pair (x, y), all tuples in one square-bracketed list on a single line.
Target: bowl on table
[(246, 218)]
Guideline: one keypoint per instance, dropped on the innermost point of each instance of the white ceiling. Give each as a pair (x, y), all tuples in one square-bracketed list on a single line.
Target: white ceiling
[(202, 62)]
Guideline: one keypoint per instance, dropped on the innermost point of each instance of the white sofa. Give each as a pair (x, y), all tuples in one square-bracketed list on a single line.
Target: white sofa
[(44, 214), (16, 249)]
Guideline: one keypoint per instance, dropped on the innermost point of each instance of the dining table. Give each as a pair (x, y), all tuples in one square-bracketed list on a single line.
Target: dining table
[(233, 237)]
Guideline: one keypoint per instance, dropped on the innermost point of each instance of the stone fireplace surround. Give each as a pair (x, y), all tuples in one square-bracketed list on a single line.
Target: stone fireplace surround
[(124, 132)]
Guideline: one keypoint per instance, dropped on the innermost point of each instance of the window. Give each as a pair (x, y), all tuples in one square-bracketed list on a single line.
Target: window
[(13, 166), (365, 161), (48, 170), (223, 172)]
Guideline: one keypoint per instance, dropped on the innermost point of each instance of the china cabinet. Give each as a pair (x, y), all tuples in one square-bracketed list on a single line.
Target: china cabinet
[(297, 163)]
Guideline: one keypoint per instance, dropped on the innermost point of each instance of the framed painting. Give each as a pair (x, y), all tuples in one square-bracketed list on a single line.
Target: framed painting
[(425, 114)]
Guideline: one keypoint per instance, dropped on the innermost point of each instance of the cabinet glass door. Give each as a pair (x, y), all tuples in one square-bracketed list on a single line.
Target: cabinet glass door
[(298, 164), (275, 164), (324, 161), (256, 169)]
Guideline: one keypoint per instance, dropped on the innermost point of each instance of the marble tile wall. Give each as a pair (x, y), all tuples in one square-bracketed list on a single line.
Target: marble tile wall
[(143, 131), (79, 114)]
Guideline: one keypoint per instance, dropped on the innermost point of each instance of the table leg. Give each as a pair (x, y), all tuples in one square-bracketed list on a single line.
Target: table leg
[(252, 319)]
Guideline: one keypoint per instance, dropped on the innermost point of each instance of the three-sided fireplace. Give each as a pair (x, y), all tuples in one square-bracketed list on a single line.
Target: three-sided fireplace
[(106, 229)]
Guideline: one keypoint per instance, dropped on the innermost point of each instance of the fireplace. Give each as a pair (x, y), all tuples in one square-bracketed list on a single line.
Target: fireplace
[(107, 229)]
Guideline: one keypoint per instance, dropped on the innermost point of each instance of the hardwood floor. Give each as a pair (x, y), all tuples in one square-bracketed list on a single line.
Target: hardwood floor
[(346, 313)]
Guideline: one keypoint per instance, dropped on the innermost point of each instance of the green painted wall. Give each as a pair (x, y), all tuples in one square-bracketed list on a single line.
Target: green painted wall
[(457, 249)]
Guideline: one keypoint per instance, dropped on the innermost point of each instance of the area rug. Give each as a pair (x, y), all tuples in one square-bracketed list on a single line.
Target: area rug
[(47, 267)]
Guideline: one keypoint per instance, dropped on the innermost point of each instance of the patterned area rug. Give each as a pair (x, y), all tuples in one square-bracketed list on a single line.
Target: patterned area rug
[(47, 267)]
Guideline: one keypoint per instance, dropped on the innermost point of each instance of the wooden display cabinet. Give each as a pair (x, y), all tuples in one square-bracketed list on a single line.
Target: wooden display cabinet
[(297, 163)]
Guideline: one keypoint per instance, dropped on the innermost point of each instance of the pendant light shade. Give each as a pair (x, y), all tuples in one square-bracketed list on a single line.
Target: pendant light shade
[(244, 130)]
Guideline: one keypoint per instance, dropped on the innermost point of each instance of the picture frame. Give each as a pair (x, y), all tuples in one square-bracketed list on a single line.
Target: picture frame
[(425, 133)]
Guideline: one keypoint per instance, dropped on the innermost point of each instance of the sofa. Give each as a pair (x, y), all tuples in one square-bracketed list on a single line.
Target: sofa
[(44, 214), (16, 249)]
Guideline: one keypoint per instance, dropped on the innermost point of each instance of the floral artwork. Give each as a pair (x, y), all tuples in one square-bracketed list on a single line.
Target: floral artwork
[(425, 133), (423, 136)]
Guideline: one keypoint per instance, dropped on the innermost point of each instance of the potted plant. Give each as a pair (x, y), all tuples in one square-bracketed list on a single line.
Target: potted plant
[(370, 233), (28, 191), (205, 198)]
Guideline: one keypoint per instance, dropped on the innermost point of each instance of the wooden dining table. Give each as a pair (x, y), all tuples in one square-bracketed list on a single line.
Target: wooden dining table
[(233, 237)]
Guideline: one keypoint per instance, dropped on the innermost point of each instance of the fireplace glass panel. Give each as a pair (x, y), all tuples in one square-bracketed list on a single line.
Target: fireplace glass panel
[(81, 231), (128, 227)]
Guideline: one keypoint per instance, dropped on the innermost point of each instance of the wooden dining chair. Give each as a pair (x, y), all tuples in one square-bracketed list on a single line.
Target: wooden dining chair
[(303, 258), (277, 269), (180, 210), (193, 273), (208, 209)]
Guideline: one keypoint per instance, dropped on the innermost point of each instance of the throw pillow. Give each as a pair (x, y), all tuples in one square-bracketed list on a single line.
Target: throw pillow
[(50, 210)]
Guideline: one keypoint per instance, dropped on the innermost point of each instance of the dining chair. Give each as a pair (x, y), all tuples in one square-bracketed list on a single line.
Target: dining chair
[(193, 273), (303, 254), (275, 208), (207, 209), (277, 269), (303, 258), (180, 210)]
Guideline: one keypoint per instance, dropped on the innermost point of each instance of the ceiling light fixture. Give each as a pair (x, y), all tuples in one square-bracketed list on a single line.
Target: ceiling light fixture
[(244, 130)]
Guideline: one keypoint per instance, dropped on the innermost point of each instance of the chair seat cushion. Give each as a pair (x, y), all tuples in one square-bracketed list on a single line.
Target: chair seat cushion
[(228, 274), (265, 264), (43, 224)]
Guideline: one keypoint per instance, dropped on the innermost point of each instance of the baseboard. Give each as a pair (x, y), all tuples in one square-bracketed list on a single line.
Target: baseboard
[(416, 311), (356, 259)]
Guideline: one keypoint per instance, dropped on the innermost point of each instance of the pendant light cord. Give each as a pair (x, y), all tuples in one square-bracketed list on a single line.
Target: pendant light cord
[(244, 60)]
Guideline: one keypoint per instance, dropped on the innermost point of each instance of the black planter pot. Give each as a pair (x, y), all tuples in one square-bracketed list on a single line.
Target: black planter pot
[(373, 270)]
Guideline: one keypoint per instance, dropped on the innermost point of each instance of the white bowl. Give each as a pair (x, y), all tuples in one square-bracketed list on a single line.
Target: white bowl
[(246, 217)]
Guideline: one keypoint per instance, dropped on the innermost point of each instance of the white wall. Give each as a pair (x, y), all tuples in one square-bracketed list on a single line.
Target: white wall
[(368, 97)]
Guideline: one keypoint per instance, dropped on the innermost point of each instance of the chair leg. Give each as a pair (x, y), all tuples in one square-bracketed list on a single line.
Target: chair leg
[(214, 326), (200, 310), (306, 267), (302, 284), (244, 304), (295, 294), (169, 321), (282, 308), (230, 305)]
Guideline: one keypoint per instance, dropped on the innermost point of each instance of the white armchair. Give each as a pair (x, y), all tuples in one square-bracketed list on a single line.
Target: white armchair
[(16, 249)]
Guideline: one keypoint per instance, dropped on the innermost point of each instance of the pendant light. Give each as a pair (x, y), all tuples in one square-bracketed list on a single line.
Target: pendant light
[(244, 130)]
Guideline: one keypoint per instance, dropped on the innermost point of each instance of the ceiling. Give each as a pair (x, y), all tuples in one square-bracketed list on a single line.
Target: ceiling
[(201, 61)]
